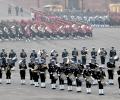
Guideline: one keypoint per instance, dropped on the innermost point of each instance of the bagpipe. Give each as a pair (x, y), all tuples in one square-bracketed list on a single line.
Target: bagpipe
[(14, 59), (116, 58)]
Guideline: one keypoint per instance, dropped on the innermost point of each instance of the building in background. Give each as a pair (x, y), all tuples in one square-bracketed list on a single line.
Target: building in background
[(84, 5)]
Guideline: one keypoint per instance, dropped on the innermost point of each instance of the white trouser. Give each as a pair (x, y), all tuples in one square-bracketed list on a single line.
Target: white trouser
[(78, 89), (53, 86), (101, 91), (69, 88), (61, 87), (88, 90)]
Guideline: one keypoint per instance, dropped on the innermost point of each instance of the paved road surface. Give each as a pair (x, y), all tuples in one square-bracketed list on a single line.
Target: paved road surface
[(105, 37)]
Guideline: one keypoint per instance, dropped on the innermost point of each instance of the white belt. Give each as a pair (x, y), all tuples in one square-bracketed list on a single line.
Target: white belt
[(42, 72), (110, 69)]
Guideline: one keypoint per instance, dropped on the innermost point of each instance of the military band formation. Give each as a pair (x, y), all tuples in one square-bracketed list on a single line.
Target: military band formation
[(30, 30), (71, 71)]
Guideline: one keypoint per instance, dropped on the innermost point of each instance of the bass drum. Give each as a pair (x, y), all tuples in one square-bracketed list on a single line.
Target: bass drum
[(72, 77), (55, 75), (90, 79), (63, 76)]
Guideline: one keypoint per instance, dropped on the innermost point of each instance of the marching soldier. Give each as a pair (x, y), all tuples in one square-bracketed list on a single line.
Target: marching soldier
[(13, 56), (22, 67), (43, 55), (43, 68), (36, 74), (112, 52), (33, 55), (53, 73), (75, 55), (118, 72), (83, 55), (20, 32), (101, 80), (64, 54), (102, 54), (94, 66), (23, 54), (69, 78), (69, 74), (54, 55), (78, 74), (34, 31), (31, 66), (8, 71), (93, 53), (6, 33), (13, 32), (111, 67), (88, 78), (3, 56), (61, 76)]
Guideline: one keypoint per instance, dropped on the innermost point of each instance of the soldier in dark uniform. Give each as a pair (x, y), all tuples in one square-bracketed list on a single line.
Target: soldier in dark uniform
[(52, 69), (54, 55), (94, 66), (3, 56), (43, 55), (6, 32), (103, 54), (8, 71), (118, 72), (87, 76), (111, 67), (112, 52), (69, 74), (61, 76), (13, 56), (42, 69), (0, 71), (22, 67), (69, 79), (93, 53), (65, 54), (101, 80), (33, 55), (75, 55), (83, 55), (36, 74), (78, 73), (31, 66), (23, 54)]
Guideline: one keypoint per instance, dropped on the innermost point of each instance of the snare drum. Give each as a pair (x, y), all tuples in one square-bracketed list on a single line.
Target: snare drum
[(55, 75)]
